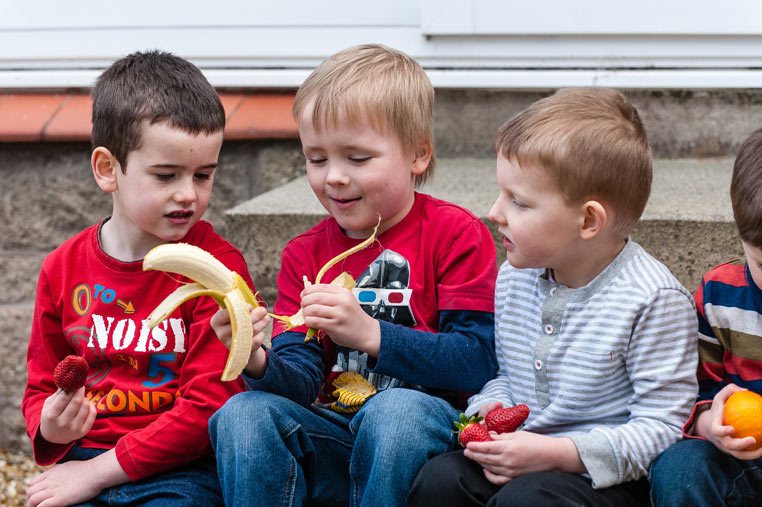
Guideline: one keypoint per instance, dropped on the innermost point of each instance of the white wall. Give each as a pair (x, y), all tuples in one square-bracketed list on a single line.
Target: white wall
[(48, 44)]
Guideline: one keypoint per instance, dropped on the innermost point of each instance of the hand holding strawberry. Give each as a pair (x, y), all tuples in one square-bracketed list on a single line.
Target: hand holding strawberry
[(70, 373)]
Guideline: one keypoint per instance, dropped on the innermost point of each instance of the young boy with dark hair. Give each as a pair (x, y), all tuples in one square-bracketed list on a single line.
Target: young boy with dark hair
[(593, 334), (711, 467), (395, 351), (136, 433)]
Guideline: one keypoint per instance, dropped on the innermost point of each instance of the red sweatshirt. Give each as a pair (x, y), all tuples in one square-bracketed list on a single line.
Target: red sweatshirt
[(154, 390)]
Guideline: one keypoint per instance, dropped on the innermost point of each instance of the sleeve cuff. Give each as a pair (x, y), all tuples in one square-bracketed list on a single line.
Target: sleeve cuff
[(48, 453), (688, 429), (599, 459)]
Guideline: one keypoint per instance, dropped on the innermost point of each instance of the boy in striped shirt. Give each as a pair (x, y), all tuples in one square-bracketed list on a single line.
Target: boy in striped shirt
[(593, 334), (710, 467)]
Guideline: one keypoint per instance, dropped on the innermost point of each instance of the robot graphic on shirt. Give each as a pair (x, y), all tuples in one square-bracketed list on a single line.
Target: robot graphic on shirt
[(383, 292)]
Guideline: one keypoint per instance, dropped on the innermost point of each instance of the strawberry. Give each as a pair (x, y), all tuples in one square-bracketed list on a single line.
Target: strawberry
[(471, 430), (505, 420), (70, 373)]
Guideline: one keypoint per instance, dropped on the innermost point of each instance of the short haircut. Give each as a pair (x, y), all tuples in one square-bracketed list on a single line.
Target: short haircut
[(372, 84), (154, 86), (746, 190), (592, 144)]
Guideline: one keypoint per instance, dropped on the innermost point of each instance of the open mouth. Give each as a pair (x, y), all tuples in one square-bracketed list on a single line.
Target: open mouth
[(180, 215)]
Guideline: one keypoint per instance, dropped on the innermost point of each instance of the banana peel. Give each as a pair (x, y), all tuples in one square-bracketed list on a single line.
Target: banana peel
[(343, 280)]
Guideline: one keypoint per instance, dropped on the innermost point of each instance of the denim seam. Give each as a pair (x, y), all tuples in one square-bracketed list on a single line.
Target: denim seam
[(290, 429), (316, 433), (355, 490), (290, 487), (739, 476)]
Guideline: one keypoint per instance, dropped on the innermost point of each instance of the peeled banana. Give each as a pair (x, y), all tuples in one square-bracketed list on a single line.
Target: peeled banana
[(211, 278)]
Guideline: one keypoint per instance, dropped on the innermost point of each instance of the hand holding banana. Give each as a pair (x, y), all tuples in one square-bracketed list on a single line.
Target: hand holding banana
[(212, 278)]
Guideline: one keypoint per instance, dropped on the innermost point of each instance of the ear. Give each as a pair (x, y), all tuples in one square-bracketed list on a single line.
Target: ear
[(422, 158), (105, 169), (594, 218)]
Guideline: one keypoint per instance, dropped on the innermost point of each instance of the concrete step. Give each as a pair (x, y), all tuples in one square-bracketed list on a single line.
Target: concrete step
[(687, 223)]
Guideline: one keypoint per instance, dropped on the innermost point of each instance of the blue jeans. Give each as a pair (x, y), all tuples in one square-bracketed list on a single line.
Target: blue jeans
[(273, 451), (193, 484), (695, 473)]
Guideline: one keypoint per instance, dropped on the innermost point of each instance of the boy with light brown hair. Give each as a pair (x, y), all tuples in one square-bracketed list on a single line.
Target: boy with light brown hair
[(593, 334), (396, 351)]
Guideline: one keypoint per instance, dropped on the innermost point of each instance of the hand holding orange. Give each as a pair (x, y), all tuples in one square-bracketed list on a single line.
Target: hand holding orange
[(743, 411)]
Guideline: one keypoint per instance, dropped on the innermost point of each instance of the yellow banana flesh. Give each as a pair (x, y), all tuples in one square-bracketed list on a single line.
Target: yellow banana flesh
[(211, 278)]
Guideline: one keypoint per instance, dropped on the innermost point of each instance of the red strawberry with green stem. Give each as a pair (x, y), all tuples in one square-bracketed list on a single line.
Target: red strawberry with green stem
[(470, 430), (70, 373), (506, 420)]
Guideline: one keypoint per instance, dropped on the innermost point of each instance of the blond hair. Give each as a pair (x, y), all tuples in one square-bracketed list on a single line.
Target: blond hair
[(592, 143), (373, 84)]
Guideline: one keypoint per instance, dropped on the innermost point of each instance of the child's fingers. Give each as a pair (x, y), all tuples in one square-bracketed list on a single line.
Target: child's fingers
[(320, 288), (488, 407), (59, 401), (220, 318), (259, 314), (737, 444), (494, 478)]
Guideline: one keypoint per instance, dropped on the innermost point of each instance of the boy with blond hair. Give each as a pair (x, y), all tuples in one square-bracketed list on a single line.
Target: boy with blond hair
[(593, 334), (136, 432), (397, 350), (711, 467)]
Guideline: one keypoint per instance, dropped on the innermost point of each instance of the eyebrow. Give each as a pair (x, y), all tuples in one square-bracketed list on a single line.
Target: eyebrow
[(176, 166)]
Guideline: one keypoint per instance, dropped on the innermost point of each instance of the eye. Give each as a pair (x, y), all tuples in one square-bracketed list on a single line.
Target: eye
[(203, 176), (165, 176), (359, 160), (316, 160), (518, 204)]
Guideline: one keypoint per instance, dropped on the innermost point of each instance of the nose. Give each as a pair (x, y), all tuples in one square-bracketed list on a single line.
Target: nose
[(185, 191), (336, 175), (495, 215)]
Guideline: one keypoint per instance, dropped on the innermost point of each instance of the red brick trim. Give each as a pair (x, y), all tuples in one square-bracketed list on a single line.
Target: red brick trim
[(34, 117)]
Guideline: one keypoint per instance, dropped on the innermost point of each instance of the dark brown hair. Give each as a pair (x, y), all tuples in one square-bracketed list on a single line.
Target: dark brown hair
[(154, 86), (746, 190)]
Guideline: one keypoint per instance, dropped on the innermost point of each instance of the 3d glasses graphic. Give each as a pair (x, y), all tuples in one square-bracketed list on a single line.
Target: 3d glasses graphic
[(386, 296)]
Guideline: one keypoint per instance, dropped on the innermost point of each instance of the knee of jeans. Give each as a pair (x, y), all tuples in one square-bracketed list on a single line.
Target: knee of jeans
[(684, 460), (402, 415), (244, 410)]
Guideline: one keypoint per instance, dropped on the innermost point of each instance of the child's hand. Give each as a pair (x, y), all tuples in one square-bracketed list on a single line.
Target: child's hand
[(75, 482), (512, 455), (710, 425), (63, 484), (336, 311), (220, 323), (66, 417), (488, 407)]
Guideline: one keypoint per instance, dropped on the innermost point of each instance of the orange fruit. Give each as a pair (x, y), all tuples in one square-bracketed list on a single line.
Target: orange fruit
[(743, 411)]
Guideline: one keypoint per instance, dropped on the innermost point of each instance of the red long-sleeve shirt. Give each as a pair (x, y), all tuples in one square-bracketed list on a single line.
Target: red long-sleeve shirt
[(154, 390)]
